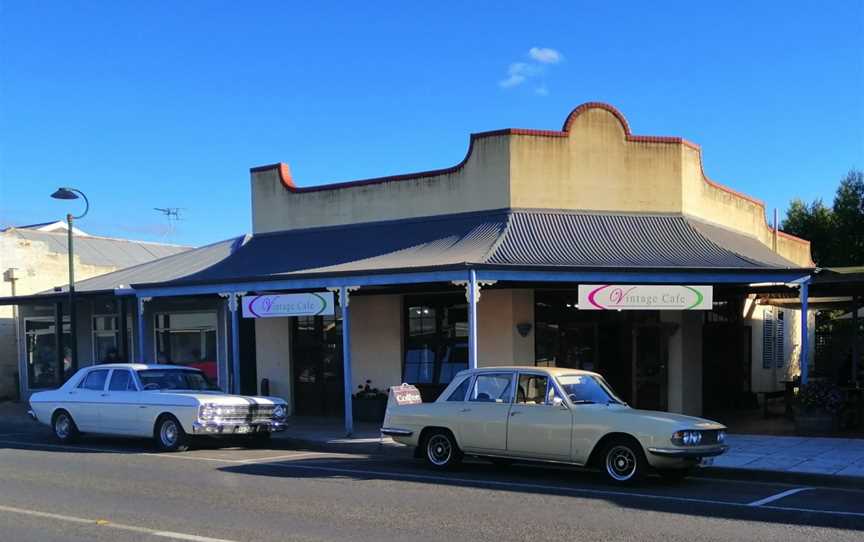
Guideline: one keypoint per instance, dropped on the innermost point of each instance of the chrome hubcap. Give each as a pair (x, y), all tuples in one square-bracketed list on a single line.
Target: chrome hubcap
[(168, 433), (62, 426), (439, 450), (621, 463)]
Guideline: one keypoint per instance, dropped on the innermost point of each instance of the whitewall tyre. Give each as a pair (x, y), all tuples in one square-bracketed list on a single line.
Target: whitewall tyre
[(440, 450), (64, 427), (169, 435)]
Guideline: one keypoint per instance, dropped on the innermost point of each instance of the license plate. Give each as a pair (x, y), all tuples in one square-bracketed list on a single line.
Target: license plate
[(706, 462)]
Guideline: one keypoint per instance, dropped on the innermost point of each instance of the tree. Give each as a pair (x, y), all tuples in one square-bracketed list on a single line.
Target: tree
[(836, 234)]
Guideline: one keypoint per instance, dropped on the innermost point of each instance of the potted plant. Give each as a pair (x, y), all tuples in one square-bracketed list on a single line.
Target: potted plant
[(369, 404), (818, 404)]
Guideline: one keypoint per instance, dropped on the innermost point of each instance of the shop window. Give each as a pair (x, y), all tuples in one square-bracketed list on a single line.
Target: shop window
[(436, 342), (187, 338), (39, 335)]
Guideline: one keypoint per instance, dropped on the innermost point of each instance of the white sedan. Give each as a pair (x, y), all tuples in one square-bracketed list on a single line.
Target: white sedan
[(165, 402)]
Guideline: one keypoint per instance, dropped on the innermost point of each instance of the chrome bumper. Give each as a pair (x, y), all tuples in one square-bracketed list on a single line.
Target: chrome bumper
[(395, 432), (710, 451), (232, 428)]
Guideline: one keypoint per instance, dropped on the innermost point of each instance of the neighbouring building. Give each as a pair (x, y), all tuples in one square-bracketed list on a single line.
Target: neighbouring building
[(33, 259), (585, 247)]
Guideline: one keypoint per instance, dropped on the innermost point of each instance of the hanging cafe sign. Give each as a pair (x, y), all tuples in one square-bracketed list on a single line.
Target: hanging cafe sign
[(273, 306), (632, 297)]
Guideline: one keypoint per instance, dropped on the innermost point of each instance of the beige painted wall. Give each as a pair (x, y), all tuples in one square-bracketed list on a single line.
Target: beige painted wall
[(499, 343), (38, 269), (376, 340), (273, 355), (685, 362), (480, 184), (764, 380), (594, 166)]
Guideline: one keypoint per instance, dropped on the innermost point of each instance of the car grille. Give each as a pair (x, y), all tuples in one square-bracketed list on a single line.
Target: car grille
[(246, 413), (709, 437)]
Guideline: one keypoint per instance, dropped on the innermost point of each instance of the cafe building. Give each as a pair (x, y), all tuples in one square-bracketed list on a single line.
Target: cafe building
[(586, 247)]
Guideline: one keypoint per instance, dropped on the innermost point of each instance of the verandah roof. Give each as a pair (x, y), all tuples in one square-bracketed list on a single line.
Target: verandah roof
[(505, 239)]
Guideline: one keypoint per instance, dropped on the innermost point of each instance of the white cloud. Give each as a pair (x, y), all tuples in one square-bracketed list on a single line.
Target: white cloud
[(545, 55), (520, 72)]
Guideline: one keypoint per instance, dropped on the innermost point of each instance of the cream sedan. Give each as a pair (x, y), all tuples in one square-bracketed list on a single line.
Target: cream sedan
[(166, 402), (556, 415)]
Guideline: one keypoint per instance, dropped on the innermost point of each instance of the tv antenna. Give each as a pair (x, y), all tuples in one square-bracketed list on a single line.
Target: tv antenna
[(173, 216)]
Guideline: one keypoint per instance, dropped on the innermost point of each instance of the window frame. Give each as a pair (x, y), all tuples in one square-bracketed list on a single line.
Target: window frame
[(131, 381), (492, 373), (83, 380), (442, 304)]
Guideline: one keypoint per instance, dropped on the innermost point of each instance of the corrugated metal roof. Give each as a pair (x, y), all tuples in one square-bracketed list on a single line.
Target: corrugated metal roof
[(162, 270), (556, 238), (101, 251), (518, 238)]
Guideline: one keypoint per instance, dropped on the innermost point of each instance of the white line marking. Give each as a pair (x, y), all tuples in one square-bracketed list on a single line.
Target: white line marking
[(778, 496), (489, 483), (574, 490), (111, 525)]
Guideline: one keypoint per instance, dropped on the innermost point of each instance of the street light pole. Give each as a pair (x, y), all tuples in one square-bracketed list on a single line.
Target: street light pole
[(71, 193)]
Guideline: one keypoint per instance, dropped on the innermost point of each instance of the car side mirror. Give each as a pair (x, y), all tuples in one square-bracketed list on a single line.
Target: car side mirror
[(559, 403)]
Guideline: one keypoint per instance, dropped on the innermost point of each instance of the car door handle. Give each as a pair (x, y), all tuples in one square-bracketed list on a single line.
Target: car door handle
[(515, 413), (72, 392), (465, 410), (105, 394)]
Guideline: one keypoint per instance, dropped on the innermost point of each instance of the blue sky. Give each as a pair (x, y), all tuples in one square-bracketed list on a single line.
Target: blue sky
[(168, 104)]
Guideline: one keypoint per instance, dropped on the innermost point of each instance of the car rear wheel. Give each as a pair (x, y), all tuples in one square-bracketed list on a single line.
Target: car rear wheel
[(440, 450), (64, 427), (623, 461), (170, 436)]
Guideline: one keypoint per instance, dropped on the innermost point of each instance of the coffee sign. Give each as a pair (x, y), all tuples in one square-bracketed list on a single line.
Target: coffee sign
[(631, 297), (272, 306)]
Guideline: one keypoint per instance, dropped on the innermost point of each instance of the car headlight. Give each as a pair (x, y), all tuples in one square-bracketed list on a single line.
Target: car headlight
[(721, 437), (279, 411), (207, 411), (687, 438)]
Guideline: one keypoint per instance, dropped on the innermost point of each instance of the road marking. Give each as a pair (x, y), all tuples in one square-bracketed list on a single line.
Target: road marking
[(102, 523), (778, 496), (574, 490), (488, 483)]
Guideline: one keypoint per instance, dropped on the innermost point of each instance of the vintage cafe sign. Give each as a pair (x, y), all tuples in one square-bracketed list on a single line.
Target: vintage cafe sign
[(630, 297), (272, 306)]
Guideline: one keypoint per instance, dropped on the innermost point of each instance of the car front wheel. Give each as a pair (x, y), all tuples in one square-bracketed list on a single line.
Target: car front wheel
[(441, 450), (170, 436), (64, 427), (623, 461)]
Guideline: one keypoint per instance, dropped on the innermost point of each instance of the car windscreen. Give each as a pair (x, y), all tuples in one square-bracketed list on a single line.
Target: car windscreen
[(174, 379), (587, 389)]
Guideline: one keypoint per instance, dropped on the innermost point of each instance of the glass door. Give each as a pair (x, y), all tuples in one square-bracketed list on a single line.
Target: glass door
[(317, 366), (650, 367)]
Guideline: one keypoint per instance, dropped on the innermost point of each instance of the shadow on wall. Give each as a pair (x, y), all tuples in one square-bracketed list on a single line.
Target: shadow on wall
[(8, 360)]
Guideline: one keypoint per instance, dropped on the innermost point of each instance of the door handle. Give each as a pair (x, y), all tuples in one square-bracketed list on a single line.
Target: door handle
[(515, 413), (72, 392), (105, 394), (465, 410)]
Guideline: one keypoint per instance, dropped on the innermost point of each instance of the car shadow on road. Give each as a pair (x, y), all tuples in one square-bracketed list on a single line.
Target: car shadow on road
[(697, 497)]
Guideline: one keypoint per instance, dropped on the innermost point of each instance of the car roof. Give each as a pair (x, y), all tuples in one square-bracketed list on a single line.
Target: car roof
[(555, 371), (139, 366)]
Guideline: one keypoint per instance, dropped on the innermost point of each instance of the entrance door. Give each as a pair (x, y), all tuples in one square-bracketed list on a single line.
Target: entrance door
[(317, 366), (650, 367), (726, 359)]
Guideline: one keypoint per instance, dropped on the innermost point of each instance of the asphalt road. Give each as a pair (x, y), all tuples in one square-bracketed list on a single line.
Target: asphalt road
[(119, 490)]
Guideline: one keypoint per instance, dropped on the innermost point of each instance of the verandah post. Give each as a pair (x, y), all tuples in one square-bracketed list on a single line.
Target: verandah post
[(805, 338), (346, 358), (472, 319)]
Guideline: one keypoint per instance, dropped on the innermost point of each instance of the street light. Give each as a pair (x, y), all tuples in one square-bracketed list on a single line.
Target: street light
[(66, 193)]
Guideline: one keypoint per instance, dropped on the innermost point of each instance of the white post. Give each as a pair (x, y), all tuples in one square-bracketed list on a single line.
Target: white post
[(472, 319)]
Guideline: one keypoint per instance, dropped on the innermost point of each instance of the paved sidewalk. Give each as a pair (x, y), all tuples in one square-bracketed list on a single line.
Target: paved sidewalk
[(804, 455)]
